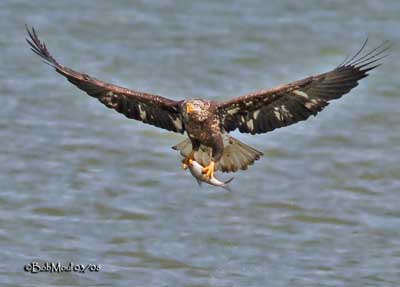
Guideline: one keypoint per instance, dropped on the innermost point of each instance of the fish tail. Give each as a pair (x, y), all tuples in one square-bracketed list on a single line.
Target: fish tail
[(226, 184), (229, 180)]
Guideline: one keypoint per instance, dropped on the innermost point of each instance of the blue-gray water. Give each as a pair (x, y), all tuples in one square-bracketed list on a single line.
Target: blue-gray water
[(81, 183)]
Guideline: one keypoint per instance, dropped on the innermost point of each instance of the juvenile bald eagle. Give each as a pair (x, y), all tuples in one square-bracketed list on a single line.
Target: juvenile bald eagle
[(207, 123)]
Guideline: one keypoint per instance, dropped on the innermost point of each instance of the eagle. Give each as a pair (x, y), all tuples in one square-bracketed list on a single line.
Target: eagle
[(208, 123)]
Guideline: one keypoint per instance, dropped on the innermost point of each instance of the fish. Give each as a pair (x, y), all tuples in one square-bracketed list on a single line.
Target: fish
[(196, 170)]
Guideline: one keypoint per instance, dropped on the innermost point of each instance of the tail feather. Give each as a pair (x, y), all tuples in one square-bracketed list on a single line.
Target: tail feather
[(185, 147), (236, 155)]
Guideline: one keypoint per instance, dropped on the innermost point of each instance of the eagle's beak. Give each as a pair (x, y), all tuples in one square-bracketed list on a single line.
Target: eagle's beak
[(189, 108)]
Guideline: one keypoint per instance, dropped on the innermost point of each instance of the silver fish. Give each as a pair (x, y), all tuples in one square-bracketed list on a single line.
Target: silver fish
[(196, 170)]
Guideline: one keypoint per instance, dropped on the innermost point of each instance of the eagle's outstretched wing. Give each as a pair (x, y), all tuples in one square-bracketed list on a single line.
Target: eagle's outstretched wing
[(150, 109), (266, 110)]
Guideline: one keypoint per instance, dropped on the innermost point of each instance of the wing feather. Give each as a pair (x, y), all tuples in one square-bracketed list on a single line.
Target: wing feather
[(148, 108), (266, 110)]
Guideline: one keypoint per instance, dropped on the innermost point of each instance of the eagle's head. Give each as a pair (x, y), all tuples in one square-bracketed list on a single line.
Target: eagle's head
[(197, 110)]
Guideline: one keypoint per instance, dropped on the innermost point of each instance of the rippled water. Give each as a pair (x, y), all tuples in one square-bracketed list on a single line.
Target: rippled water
[(82, 183)]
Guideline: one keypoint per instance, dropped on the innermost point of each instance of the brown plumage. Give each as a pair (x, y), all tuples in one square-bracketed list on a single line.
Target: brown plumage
[(208, 123), (151, 109), (266, 110)]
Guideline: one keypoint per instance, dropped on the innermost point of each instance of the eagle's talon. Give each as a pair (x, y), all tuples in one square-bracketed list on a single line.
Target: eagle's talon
[(209, 170), (187, 163), (188, 160)]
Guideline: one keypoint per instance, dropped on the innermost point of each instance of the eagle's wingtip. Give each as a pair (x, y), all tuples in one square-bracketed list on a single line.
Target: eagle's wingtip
[(363, 61), (38, 47)]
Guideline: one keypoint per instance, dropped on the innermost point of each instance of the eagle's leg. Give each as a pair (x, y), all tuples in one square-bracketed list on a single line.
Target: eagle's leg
[(217, 150), (190, 157)]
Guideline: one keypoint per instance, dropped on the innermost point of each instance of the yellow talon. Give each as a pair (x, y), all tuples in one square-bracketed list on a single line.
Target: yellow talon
[(188, 160), (209, 170)]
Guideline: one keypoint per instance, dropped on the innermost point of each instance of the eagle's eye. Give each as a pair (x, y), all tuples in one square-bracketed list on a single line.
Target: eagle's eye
[(189, 108)]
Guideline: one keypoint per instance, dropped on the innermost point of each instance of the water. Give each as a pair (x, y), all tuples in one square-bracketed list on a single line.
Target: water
[(82, 183)]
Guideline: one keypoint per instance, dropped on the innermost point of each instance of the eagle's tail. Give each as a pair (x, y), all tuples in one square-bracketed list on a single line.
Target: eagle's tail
[(236, 155)]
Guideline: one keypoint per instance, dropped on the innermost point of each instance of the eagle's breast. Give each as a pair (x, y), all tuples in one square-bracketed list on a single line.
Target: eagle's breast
[(203, 123)]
